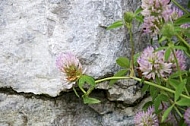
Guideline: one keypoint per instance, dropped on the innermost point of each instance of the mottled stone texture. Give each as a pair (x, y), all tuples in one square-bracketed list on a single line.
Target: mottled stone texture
[(34, 32), (65, 110)]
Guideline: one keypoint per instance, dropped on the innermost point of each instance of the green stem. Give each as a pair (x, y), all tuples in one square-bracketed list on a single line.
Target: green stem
[(89, 90), (178, 68), (177, 64), (104, 79), (177, 4), (161, 87), (82, 90), (180, 38), (111, 78), (132, 51), (146, 82), (178, 112), (186, 91)]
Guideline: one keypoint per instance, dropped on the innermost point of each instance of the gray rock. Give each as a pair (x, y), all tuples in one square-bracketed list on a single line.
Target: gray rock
[(65, 110), (34, 32)]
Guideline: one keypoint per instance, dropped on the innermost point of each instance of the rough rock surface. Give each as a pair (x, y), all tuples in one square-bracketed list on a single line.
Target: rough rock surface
[(65, 110), (34, 32)]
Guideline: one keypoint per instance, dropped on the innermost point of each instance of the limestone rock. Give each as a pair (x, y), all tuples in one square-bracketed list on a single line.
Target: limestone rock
[(34, 32), (65, 110)]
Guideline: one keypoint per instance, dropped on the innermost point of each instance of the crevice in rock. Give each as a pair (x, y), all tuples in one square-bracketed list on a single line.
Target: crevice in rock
[(11, 91), (97, 93)]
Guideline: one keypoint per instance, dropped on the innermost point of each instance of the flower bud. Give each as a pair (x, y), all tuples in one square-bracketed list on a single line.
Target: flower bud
[(70, 66), (168, 30), (128, 17)]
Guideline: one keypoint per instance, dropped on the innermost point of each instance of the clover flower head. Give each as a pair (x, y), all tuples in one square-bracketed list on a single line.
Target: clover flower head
[(147, 118), (152, 63), (180, 58), (70, 66), (154, 12), (187, 116), (149, 25), (185, 26), (176, 13)]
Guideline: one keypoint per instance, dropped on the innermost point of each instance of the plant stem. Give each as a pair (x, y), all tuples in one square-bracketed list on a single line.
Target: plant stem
[(178, 68), (177, 64), (111, 78), (178, 112), (161, 87), (82, 90), (89, 90), (104, 79), (132, 52), (177, 4), (146, 82), (180, 38)]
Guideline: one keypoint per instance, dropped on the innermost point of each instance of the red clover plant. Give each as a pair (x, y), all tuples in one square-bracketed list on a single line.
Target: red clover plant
[(162, 69)]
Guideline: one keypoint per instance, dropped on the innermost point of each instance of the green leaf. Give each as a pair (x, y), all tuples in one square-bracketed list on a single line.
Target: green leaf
[(177, 74), (180, 48), (187, 32), (86, 79), (153, 92), (160, 48), (139, 18), (166, 113), (174, 82), (81, 83), (123, 62), (188, 4), (118, 74), (90, 80), (145, 88), (135, 57), (162, 39), (146, 105), (115, 25), (159, 99), (182, 20), (138, 10), (89, 100), (179, 89), (183, 102), (167, 54)]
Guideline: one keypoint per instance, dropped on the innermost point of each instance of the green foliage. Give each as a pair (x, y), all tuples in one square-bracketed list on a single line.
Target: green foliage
[(182, 20), (135, 57), (167, 54), (85, 79), (154, 92), (171, 90), (147, 105), (183, 102), (166, 113), (168, 30), (179, 89), (123, 62), (128, 17), (145, 88), (157, 101), (89, 100), (116, 24), (118, 74)]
